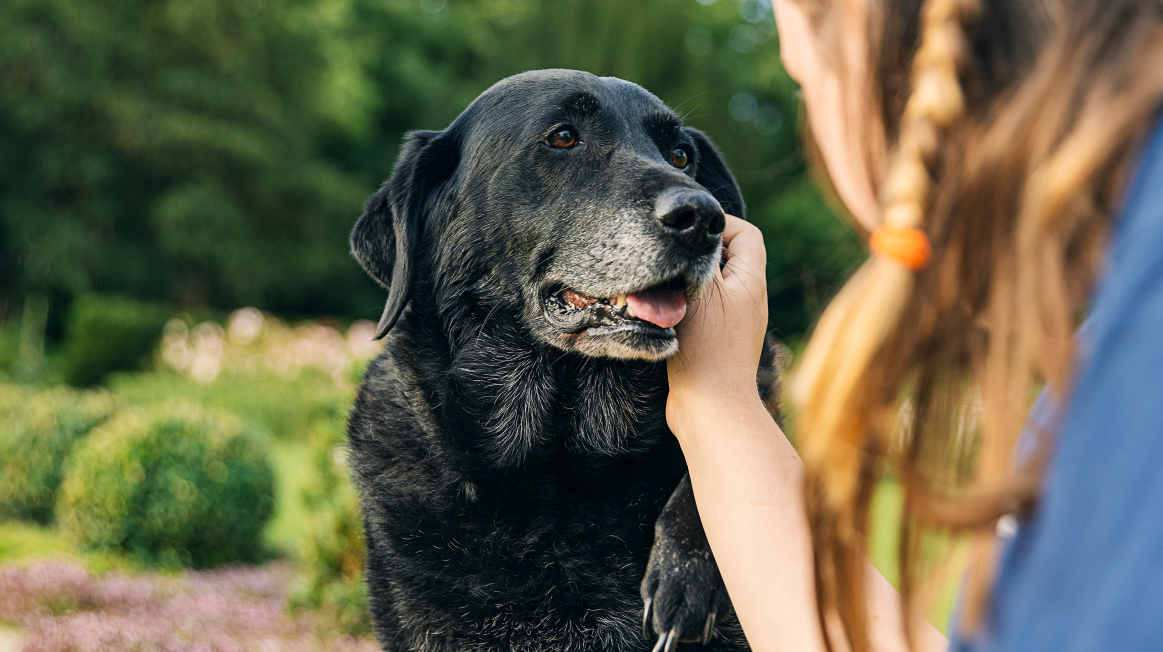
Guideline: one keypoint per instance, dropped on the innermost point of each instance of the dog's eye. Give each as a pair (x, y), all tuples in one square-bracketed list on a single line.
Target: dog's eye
[(680, 158), (562, 138)]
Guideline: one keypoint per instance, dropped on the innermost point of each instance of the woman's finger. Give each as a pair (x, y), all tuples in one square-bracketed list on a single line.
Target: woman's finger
[(744, 247), (734, 226)]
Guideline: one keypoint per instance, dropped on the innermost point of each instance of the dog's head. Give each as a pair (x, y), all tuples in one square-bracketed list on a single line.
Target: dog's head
[(578, 205)]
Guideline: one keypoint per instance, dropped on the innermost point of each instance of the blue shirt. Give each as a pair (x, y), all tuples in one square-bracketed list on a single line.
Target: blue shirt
[(1085, 572)]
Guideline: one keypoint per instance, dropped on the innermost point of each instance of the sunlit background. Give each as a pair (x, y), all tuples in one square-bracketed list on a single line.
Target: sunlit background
[(181, 324)]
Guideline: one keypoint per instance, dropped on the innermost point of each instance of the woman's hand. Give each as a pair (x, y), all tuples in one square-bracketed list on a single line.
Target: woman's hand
[(721, 339), (747, 478)]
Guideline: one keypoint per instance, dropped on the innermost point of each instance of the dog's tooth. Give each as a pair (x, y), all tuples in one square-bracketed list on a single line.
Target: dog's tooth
[(619, 301), (630, 312)]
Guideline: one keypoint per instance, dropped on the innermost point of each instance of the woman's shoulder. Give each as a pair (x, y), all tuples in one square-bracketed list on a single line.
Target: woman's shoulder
[(1134, 265), (1084, 572)]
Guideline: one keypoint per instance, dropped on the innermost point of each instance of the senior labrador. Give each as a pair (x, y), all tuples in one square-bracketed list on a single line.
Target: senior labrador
[(520, 488)]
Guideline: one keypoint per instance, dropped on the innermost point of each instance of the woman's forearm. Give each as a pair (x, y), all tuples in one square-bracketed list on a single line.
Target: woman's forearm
[(747, 481), (746, 476)]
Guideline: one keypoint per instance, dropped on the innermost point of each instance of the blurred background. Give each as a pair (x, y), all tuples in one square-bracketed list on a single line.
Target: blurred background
[(181, 324)]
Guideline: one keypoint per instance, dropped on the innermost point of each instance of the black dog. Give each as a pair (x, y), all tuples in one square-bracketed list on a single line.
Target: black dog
[(510, 444)]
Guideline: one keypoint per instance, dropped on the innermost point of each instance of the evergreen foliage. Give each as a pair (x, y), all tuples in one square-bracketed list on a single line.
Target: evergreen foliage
[(217, 152), (110, 333)]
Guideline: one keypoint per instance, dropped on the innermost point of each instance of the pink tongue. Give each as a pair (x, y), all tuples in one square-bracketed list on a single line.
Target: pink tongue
[(662, 307)]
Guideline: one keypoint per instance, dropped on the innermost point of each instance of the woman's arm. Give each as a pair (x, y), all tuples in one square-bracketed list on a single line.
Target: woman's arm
[(746, 476)]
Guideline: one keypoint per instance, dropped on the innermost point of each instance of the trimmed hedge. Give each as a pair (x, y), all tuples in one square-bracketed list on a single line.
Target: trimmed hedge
[(174, 485), (38, 429)]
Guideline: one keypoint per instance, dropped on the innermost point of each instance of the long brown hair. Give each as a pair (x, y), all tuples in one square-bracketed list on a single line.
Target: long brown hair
[(1013, 123)]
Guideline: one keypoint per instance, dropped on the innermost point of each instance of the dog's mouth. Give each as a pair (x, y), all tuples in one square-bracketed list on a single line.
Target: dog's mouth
[(652, 311)]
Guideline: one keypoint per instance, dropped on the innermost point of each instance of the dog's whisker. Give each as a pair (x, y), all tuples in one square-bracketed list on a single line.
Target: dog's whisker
[(684, 117), (712, 90)]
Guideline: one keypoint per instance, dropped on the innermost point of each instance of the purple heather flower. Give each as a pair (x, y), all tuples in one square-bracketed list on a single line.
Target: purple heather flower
[(64, 608)]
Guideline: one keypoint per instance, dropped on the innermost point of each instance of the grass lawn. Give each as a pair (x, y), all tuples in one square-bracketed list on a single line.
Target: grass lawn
[(293, 412), (24, 542), (294, 469), (293, 466), (292, 463), (884, 539)]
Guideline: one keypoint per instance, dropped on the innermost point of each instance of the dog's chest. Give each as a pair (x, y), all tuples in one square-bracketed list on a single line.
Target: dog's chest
[(522, 403), (557, 529)]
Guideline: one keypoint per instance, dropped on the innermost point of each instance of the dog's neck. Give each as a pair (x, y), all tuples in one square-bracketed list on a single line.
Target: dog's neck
[(518, 402)]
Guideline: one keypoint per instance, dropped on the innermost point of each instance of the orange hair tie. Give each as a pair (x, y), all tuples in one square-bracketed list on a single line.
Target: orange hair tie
[(902, 244)]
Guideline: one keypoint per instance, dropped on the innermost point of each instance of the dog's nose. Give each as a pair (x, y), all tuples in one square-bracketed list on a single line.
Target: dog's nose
[(693, 217)]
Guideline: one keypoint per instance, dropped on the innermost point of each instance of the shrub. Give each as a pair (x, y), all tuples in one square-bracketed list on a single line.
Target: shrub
[(331, 550), (37, 432), (106, 333), (173, 484)]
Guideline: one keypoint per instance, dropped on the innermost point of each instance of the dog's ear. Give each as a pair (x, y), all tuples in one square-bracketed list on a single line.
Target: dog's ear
[(384, 239), (711, 172)]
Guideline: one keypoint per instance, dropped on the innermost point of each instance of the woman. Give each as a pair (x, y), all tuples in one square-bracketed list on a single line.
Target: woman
[(1006, 158)]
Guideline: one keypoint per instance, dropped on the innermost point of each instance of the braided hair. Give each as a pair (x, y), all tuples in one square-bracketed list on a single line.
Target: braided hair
[(859, 320), (1011, 168)]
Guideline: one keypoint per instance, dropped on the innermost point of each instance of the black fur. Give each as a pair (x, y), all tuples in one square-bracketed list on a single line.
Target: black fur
[(512, 454)]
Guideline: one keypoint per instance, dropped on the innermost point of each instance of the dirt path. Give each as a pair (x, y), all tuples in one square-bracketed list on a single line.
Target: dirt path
[(10, 639)]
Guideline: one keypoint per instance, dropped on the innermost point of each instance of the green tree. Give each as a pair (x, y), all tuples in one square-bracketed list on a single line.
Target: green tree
[(174, 149), (216, 152)]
